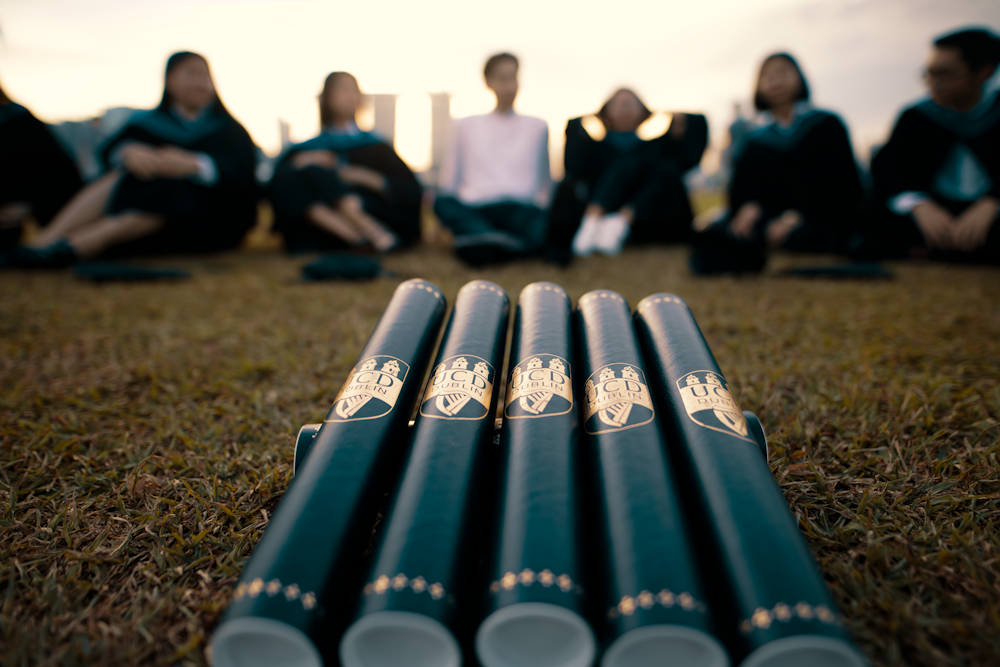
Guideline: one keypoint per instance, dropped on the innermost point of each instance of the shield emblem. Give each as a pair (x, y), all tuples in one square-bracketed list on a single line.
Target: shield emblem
[(460, 388), (539, 386), (708, 402), (617, 399), (371, 391)]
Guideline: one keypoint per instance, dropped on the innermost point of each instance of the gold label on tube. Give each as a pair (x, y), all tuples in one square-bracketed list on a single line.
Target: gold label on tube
[(460, 388), (617, 398), (708, 403), (371, 391), (540, 386)]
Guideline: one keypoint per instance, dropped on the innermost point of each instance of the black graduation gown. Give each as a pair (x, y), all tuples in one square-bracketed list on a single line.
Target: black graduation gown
[(647, 175), (200, 218), (292, 191), (921, 142), (809, 169), (34, 167)]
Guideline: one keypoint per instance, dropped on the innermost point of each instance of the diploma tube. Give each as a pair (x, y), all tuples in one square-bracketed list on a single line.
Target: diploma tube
[(779, 609), (654, 608), (289, 601), (535, 615), (425, 560)]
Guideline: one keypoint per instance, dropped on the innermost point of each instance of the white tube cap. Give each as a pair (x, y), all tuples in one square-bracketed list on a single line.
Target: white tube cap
[(399, 639), (262, 642), (535, 634), (812, 650), (657, 645)]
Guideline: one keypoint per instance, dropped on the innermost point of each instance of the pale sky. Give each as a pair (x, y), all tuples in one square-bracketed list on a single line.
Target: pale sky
[(71, 59)]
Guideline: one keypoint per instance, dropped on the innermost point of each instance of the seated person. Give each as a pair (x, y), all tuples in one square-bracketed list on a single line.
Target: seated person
[(495, 180), (795, 182), (345, 188), (622, 183), (37, 175), (937, 180), (181, 180)]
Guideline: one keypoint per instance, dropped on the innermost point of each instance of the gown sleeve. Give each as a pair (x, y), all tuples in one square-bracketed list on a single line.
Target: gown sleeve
[(896, 166)]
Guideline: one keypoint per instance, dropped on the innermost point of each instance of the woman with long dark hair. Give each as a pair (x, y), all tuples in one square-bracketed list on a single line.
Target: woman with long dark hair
[(622, 184), (345, 188), (37, 175), (795, 181), (182, 179)]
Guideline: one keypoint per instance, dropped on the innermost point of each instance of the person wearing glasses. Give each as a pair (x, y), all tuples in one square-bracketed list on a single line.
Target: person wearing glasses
[(937, 180)]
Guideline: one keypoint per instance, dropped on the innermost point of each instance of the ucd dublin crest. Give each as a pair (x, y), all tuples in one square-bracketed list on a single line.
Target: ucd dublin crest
[(540, 386), (708, 403), (617, 399), (371, 391), (460, 388)]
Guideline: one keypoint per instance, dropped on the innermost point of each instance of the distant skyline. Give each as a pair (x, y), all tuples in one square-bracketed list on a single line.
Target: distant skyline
[(70, 60)]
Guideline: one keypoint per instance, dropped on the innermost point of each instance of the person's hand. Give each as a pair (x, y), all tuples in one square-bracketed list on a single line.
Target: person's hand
[(314, 158), (366, 178), (746, 219), (935, 224), (14, 213), (779, 230), (678, 123), (141, 161), (969, 230), (176, 163)]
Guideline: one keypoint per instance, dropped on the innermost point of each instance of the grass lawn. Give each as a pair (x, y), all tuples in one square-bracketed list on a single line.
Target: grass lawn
[(146, 436)]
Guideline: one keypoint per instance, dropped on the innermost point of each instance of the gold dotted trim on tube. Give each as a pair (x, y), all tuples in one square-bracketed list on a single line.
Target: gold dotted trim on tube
[(527, 577), (412, 284), (489, 287), (544, 287), (647, 600), (292, 592), (761, 619), (600, 295), (417, 584), (649, 301)]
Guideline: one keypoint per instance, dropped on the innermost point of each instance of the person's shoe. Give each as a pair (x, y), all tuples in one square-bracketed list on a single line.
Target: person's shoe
[(488, 248), (584, 242), (613, 231), (59, 255)]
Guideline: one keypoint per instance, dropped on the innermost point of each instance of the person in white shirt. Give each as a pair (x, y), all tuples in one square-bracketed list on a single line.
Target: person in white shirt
[(495, 180)]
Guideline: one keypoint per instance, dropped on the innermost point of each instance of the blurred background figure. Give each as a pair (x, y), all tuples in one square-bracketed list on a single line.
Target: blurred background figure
[(495, 181), (795, 182), (180, 179), (937, 180), (37, 176), (624, 179), (738, 129), (346, 187)]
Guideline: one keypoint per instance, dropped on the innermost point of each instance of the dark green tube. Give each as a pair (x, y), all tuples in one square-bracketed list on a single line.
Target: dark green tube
[(779, 609), (290, 598), (654, 607), (424, 562), (534, 610)]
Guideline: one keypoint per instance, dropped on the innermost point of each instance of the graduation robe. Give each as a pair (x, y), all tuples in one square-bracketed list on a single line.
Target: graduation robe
[(34, 166), (622, 169), (200, 218), (923, 139), (808, 167), (293, 190)]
